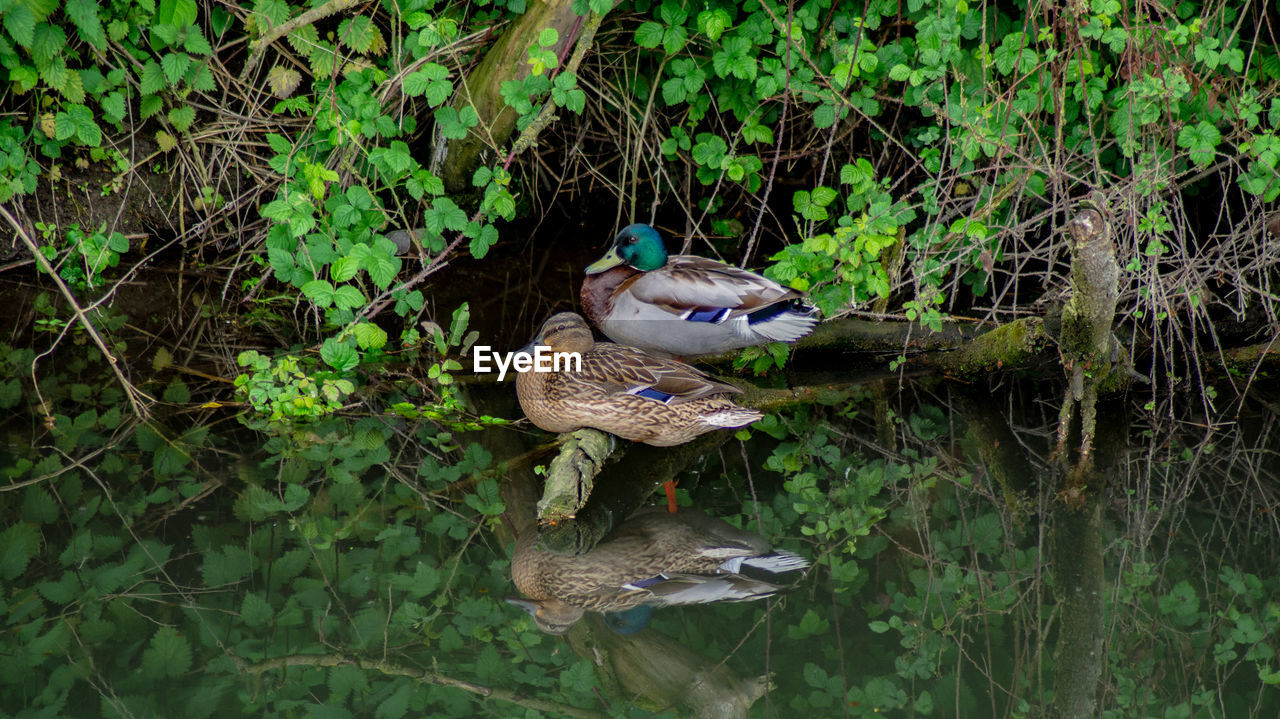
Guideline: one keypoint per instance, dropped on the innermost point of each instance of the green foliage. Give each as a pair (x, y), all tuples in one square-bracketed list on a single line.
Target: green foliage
[(80, 258), (979, 76), (289, 389)]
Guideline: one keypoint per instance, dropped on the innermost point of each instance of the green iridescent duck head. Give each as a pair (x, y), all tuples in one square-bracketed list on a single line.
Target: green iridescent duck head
[(638, 246)]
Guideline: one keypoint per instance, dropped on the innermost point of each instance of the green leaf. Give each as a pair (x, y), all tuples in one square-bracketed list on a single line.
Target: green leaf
[(18, 544), (348, 297), (713, 23), (1201, 139), (430, 83), (814, 676), (481, 243), (255, 610), (151, 78), (674, 39), (48, 42), (21, 24), (320, 292), (649, 35), (84, 13), (175, 66), (169, 655), (113, 106), (425, 580), (339, 355), (182, 117), (182, 13), (369, 336), (823, 196), (358, 33), (177, 392), (396, 705), (382, 267), (195, 43)]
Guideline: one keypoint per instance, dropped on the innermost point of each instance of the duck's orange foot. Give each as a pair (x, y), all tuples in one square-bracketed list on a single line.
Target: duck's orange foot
[(669, 487)]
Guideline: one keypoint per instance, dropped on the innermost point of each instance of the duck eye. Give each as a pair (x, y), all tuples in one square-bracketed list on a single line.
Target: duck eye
[(632, 240)]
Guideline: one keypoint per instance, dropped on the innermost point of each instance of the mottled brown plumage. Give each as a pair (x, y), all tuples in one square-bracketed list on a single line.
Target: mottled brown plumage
[(655, 558), (624, 391)]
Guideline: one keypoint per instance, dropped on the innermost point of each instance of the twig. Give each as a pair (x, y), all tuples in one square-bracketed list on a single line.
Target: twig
[(256, 47)]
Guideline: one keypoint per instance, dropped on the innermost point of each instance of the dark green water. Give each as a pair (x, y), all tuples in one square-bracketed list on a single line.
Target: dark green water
[(203, 565)]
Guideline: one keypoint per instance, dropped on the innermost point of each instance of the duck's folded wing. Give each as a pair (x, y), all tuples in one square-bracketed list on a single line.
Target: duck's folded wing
[(618, 369), (695, 284)]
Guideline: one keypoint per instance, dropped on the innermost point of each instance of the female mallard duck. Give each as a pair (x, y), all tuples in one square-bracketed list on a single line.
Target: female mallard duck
[(623, 391), (654, 558), (685, 305)]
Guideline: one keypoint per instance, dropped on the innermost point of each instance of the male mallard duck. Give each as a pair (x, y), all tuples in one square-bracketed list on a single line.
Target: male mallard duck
[(623, 391), (654, 558), (685, 305)]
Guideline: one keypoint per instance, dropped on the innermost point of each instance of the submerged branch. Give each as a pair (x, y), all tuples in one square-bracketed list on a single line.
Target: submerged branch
[(429, 677)]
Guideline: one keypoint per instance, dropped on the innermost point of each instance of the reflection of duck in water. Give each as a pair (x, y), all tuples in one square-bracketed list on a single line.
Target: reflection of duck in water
[(624, 391), (654, 558)]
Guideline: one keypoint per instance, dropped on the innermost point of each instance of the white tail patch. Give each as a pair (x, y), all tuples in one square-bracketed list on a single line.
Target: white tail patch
[(786, 326), (779, 561), (736, 417)]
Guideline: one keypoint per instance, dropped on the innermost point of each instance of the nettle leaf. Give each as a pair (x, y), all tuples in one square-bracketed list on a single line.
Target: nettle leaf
[(151, 80), (346, 680), (113, 106), (270, 13), (175, 66), (255, 610), (195, 43), (150, 105), (360, 34), (18, 544), (182, 117), (84, 13), (169, 654), (47, 43), (283, 81), (21, 24)]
